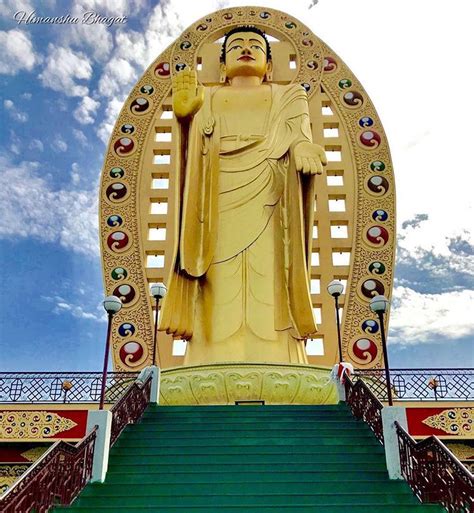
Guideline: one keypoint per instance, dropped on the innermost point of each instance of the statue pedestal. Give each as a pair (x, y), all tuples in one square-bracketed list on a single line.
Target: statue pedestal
[(226, 383)]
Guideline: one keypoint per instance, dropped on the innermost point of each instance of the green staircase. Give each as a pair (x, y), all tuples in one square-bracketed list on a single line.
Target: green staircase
[(252, 459)]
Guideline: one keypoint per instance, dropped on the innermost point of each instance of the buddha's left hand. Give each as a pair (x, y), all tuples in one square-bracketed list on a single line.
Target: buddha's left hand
[(309, 158)]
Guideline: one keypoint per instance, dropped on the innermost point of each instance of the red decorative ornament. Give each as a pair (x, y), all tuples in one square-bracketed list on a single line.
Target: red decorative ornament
[(365, 350), (330, 64), (117, 241), (370, 139), (123, 146), (163, 70), (131, 352), (377, 235)]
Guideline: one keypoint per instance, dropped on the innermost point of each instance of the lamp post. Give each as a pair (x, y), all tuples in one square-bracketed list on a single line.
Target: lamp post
[(335, 289), (158, 291), (379, 305), (112, 305)]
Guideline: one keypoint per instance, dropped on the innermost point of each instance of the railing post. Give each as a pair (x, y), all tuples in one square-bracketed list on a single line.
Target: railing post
[(102, 419), (390, 414), (154, 371)]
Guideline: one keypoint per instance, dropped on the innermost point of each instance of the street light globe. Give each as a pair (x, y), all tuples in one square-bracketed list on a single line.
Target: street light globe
[(379, 304), (112, 304), (335, 288), (158, 290)]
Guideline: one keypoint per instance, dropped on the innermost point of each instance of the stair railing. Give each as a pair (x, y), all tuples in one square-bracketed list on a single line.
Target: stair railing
[(365, 405), (65, 469), (130, 408), (56, 478), (434, 473)]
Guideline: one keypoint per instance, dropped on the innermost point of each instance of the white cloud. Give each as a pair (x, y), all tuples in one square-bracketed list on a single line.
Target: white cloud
[(75, 175), (36, 144), (85, 112), (76, 307), (8, 8), (14, 112), (114, 7), (111, 114), (426, 318), (63, 69), (117, 77), (59, 145), (95, 39), (79, 136), (31, 207), (17, 52), (78, 311)]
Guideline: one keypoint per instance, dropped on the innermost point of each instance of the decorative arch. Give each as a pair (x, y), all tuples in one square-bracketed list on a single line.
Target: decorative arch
[(354, 231)]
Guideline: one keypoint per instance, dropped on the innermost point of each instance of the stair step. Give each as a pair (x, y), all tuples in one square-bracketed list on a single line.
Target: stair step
[(186, 465), (249, 458), (308, 426), (245, 446), (240, 474), (251, 500), (238, 487), (328, 408), (289, 508), (245, 439)]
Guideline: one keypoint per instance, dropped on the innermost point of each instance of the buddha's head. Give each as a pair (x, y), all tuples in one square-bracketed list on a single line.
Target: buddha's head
[(245, 52)]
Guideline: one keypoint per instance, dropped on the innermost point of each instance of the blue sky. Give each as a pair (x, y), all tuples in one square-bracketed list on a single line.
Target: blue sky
[(62, 87)]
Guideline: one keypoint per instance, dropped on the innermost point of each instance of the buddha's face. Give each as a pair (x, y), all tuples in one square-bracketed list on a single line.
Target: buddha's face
[(246, 55)]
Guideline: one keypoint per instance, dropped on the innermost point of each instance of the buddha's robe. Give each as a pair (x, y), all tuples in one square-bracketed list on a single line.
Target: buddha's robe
[(239, 287)]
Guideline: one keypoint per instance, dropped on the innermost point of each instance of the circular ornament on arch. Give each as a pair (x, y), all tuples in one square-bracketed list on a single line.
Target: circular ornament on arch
[(376, 236), (124, 146), (377, 268), (352, 99), (119, 273), (163, 70), (140, 106), (377, 185), (147, 89), (186, 45), (366, 122), (117, 172), (364, 351), (118, 241), (126, 293), (127, 128), (117, 192), (114, 221), (377, 166), (126, 329), (370, 326), (133, 353), (370, 139), (329, 64), (380, 215), (369, 288), (344, 83)]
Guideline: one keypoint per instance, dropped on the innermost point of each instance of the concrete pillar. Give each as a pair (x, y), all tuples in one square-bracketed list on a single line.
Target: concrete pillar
[(155, 382), (390, 414), (102, 419)]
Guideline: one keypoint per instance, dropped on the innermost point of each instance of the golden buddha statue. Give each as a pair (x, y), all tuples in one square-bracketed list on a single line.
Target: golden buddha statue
[(239, 286)]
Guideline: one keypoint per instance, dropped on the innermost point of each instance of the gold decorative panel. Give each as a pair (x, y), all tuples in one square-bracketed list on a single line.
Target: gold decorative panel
[(229, 383)]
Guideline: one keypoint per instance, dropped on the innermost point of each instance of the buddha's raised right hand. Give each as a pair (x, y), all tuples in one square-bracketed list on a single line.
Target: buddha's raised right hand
[(187, 95)]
